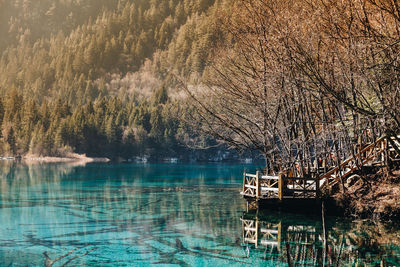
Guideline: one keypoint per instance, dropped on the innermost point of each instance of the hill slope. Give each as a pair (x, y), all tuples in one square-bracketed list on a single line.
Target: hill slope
[(96, 78)]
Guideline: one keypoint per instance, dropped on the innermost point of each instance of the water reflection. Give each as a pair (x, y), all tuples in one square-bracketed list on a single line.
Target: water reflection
[(348, 243), (188, 215), (123, 214)]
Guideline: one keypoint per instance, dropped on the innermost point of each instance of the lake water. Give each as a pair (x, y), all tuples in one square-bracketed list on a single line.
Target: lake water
[(184, 215)]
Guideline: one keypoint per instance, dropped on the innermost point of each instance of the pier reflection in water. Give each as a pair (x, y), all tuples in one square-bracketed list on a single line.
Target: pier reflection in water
[(356, 243)]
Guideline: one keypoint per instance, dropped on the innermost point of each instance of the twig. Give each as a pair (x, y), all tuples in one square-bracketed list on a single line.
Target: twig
[(49, 262), (340, 252), (78, 256)]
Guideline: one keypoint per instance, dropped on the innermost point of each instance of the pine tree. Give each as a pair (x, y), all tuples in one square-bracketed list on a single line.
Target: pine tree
[(157, 125), (161, 95), (1, 113), (9, 137)]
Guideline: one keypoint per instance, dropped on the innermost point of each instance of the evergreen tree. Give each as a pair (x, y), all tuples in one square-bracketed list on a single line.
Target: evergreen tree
[(161, 96), (9, 137), (157, 125), (58, 82)]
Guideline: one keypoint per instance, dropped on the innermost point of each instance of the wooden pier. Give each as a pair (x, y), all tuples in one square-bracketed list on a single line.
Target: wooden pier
[(318, 181)]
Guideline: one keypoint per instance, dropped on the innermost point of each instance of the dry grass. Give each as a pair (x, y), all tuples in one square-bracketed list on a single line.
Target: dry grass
[(376, 195)]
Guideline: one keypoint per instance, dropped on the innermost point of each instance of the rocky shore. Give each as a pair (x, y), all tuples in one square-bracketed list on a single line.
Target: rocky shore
[(371, 195)]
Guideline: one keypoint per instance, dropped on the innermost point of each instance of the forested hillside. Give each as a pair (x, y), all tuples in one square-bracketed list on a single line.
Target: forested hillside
[(156, 78), (96, 77)]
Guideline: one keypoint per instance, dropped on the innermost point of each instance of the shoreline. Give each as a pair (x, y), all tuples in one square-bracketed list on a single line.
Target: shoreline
[(70, 158), (375, 196), (74, 157)]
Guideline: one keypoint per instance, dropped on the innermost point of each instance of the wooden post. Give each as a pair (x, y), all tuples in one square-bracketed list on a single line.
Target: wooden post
[(258, 190), (244, 182), (280, 186), (317, 192)]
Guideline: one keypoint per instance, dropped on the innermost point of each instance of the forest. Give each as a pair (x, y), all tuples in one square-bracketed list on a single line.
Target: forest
[(97, 77), (294, 80)]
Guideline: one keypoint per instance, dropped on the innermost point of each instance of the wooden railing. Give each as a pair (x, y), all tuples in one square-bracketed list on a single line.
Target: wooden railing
[(394, 148), (374, 151), (283, 186), (299, 187), (258, 186)]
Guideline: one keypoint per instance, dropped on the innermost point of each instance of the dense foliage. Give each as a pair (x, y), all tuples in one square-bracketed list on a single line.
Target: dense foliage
[(95, 76), (294, 80)]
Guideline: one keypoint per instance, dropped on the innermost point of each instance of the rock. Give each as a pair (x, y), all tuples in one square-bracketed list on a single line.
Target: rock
[(179, 245), (352, 180)]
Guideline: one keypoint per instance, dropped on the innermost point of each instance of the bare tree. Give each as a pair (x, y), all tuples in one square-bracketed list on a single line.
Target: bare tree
[(301, 81), (354, 59)]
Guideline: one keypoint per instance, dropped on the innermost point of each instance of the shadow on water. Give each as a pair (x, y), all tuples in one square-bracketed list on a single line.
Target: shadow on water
[(188, 215)]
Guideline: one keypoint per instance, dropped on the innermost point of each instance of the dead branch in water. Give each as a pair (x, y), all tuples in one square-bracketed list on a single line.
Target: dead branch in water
[(48, 262)]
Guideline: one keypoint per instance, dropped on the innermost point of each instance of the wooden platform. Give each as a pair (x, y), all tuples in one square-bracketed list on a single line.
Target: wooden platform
[(259, 188)]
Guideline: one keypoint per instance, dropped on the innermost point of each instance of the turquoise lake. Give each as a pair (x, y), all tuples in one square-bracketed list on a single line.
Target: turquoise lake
[(166, 214)]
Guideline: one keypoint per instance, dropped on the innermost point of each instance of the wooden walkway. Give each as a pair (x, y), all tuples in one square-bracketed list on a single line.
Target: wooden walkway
[(259, 187)]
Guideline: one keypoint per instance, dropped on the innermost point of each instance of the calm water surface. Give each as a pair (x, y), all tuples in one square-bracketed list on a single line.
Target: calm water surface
[(187, 215)]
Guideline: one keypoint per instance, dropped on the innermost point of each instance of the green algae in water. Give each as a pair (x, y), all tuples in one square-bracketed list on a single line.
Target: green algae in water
[(184, 215)]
